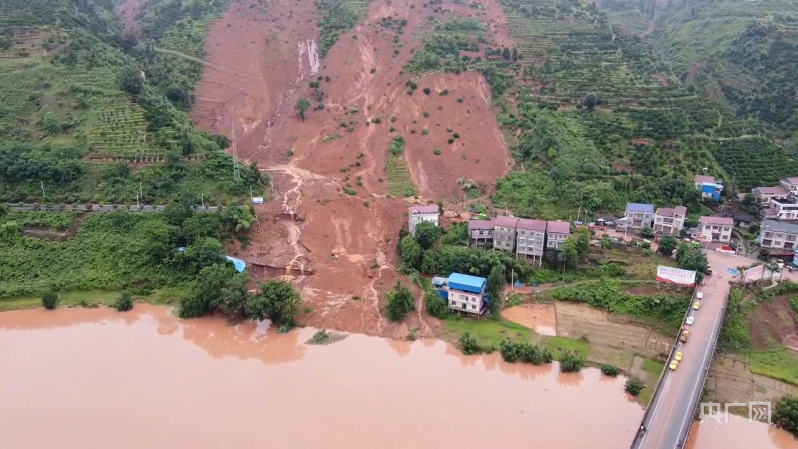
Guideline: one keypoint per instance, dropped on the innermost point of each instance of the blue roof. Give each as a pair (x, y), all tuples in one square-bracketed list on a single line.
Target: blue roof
[(239, 264), (464, 279), (637, 207)]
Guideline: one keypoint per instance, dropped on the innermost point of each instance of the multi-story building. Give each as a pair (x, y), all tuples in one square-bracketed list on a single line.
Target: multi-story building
[(504, 230), (480, 233), (530, 239), (709, 187), (782, 208), (763, 195), (779, 238), (556, 233), (715, 229), (417, 214), (463, 293), (639, 215), (669, 220)]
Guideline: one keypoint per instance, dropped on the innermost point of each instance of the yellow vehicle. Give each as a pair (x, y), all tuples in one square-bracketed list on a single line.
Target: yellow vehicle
[(674, 364), (685, 334), (697, 305), (678, 356)]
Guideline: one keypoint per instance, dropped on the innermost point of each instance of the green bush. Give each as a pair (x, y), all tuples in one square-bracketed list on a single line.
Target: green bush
[(124, 302), (400, 302), (609, 370), (469, 344), (50, 300), (571, 363), (320, 337), (634, 386), (524, 352)]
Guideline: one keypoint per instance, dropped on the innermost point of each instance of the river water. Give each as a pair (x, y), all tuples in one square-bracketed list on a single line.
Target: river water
[(96, 378)]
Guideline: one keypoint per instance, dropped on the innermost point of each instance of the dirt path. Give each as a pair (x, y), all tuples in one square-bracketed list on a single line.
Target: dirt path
[(331, 223), (127, 11)]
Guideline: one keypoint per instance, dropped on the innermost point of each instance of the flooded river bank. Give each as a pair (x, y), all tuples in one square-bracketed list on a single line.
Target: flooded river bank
[(96, 378)]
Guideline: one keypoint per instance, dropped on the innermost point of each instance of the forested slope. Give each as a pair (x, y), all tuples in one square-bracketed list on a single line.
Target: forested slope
[(80, 100)]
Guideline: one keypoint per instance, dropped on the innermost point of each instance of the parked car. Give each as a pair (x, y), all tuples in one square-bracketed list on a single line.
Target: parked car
[(690, 320), (699, 295)]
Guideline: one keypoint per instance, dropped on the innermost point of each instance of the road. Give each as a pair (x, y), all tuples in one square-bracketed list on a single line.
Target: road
[(672, 409)]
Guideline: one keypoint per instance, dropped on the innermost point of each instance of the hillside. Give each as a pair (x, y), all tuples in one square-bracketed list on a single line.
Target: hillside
[(81, 101), (743, 56)]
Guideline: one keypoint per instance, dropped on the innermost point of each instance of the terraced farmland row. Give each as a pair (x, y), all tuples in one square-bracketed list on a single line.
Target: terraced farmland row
[(119, 130)]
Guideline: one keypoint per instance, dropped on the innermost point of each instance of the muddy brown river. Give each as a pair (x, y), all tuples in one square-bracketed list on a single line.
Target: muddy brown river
[(82, 378)]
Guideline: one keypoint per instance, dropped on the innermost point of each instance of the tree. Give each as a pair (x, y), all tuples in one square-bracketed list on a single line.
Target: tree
[(646, 232), (410, 254), (469, 344), (427, 234), (693, 259), (495, 288), (606, 243), (590, 101), (131, 81), (667, 244), (506, 53), (571, 363), (515, 54), (176, 212), (237, 219), (764, 254), (204, 293), (609, 370), (785, 413), (582, 236), (276, 300), (232, 297), (634, 386), (570, 255), (400, 302), (50, 300), (302, 105), (124, 302)]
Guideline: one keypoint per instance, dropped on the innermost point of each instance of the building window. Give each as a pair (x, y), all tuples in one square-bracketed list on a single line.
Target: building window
[(473, 306), (453, 303)]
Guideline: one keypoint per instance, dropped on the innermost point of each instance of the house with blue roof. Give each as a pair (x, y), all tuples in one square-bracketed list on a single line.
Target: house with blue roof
[(463, 293), (639, 215)]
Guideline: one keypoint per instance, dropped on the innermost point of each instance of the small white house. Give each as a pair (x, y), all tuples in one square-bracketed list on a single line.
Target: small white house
[(715, 229), (417, 214)]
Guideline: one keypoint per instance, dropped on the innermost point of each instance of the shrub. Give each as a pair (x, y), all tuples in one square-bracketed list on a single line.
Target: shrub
[(609, 370), (376, 120), (469, 344), (785, 413), (634, 386), (400, 302), (456, 135), (320, 337), (444, 92), (450, 140), (524, 352), (373, 70), (50, 300), (437, 151), (424, 131), (426, 114), (427, 91), (571, 363), (124, 302)]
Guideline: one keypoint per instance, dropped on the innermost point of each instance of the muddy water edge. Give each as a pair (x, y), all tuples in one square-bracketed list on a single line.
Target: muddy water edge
[(148, 379)]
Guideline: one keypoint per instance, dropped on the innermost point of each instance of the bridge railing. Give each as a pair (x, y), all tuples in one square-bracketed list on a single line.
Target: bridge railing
[(705, 374), (662, 376)]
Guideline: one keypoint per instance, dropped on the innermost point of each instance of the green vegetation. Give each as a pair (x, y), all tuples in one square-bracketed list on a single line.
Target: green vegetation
[(524, 352), (50, 300), (785, 414), (781, 364), (400, 183), (400, 302), (469, 344), (320, 337), (490, 333), (609, 370), (607, 294), (571, 362), (337, 17), (735, 334), (654, 367), (634, 386), (124, 303), (302, 106)]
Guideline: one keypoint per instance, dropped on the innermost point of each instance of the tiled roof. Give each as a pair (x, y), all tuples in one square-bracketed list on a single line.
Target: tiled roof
[(428, 209), (637, 207), (680, 210), (672, 212), (775, 190), (508, 222), (558, 227), (768, 225), (723, 221), (703, 178), (532, 225), (792, 180), (480, 224)]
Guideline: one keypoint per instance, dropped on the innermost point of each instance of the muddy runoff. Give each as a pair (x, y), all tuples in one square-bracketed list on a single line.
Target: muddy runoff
[(96, 378)]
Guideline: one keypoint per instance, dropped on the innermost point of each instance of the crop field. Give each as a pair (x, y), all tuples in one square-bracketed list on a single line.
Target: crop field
[(188, 36), (29, 42), (25, 13), (338, 17), (399, 182), (119, 130)]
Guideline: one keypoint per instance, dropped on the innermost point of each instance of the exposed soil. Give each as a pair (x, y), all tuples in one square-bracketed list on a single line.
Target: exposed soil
[(773, 324), (695, 69), (662, 79), (541, 318), (127, 11), (340, 248)]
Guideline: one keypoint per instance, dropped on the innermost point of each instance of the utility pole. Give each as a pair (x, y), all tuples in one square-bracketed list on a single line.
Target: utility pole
[(42, 184), (236, 169), (141, 193), (138, 205)]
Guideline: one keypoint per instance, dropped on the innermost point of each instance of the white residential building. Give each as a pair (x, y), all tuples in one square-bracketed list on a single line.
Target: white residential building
[(779, 238), (417, 214), (669, 220), (639, 215), (715, 229), (556, 233)]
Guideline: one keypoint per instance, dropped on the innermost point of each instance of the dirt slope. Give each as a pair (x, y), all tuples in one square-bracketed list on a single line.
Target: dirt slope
[(340, 248)]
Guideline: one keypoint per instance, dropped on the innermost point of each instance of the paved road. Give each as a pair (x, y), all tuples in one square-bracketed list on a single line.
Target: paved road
[(673, 409)]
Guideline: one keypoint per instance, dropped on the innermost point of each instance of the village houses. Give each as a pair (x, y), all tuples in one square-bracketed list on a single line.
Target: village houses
[(639, 215), (418, 214), (779, 238), (714, 229), (670, 220)]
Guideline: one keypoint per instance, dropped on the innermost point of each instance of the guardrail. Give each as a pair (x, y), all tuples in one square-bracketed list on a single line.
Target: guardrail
[(99, 207), (705, 374), (665, 372)]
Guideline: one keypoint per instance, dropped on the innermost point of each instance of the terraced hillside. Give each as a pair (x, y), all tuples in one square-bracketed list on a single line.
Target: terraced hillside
[(80, 100)]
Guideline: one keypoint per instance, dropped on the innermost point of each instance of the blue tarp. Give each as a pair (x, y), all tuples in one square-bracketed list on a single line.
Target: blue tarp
[(708, 188), (466, 283), (239, 264)]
